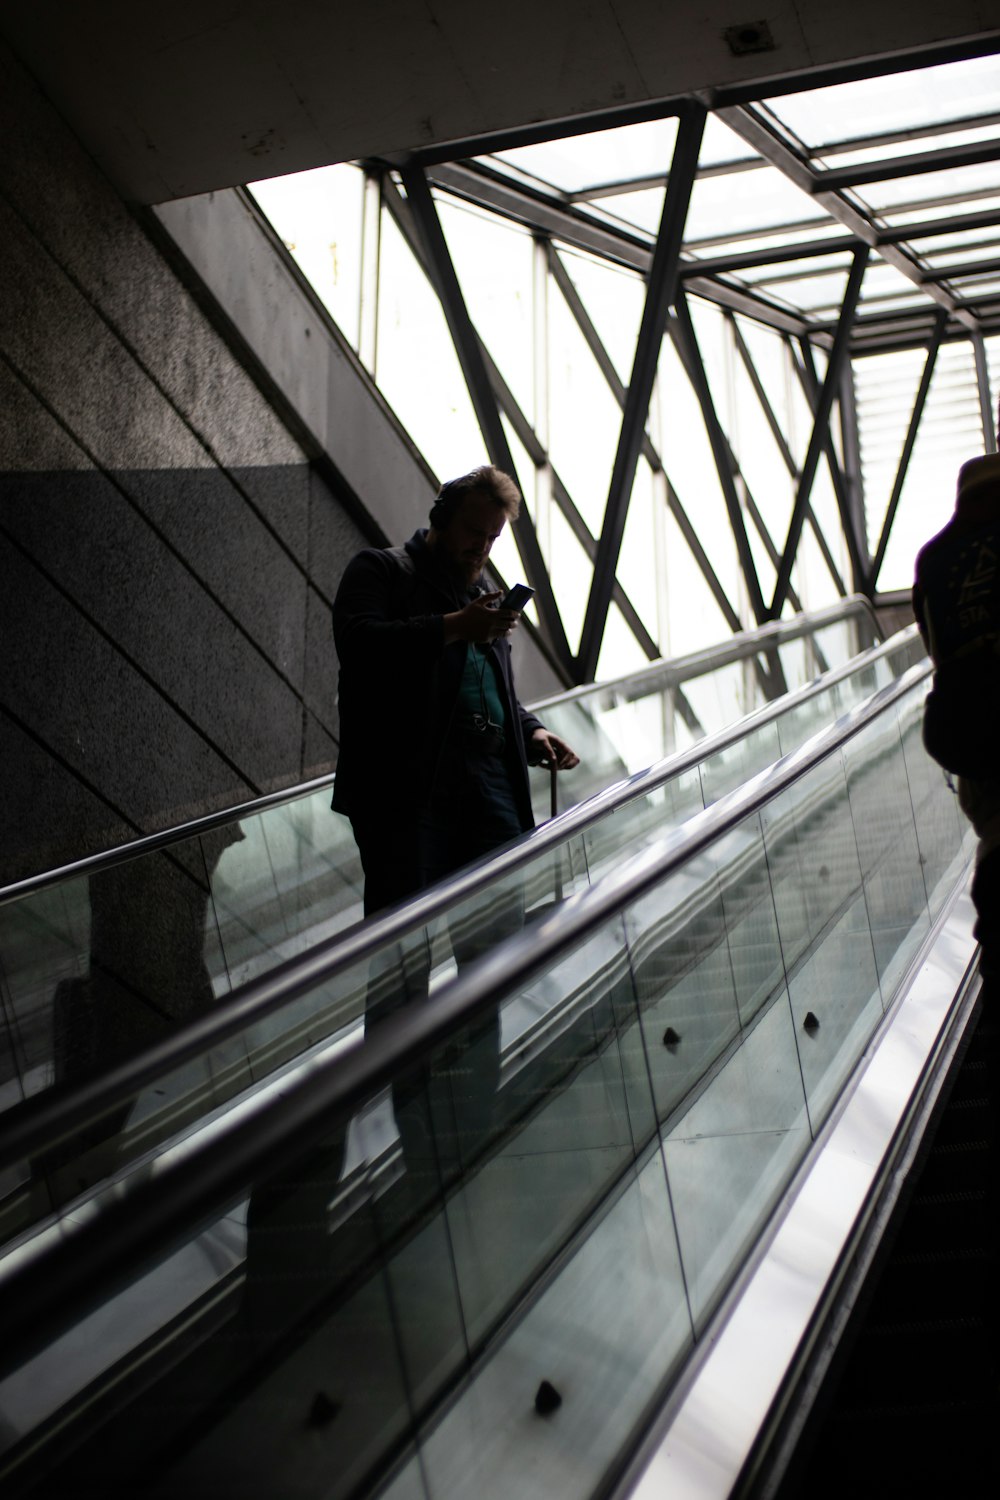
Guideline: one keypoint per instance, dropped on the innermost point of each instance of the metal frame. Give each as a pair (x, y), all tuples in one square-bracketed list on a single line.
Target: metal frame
[(467, 345), (74, 1272), (904, 460), (682, 329), (61, 1112), (661, 290), (944, 306), (818, 440)]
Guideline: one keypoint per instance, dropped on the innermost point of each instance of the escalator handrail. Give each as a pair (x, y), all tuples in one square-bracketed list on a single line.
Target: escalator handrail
[(74, 1272), (674, 673), (35, 1123)]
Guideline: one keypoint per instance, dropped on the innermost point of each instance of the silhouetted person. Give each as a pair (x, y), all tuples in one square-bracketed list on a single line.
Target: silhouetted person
[(433, 773), (956, 600), (435, 746)]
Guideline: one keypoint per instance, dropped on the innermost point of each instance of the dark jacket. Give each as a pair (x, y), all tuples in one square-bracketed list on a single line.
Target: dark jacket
[(956, 601), (399, 682), (956, 591)]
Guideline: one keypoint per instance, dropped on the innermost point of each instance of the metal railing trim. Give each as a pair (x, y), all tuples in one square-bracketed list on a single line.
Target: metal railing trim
[(58, 1111), (674, 672), (27, 1130)]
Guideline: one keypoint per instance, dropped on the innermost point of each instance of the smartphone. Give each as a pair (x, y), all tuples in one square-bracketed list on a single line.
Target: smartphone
[(517, 597)]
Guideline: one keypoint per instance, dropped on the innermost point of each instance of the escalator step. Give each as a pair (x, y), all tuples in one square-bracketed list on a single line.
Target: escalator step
[(965, 1120), (971, 1081), (891, 1365), (956, 1166), (935, 1220), (937, 1284), (937, 1449)]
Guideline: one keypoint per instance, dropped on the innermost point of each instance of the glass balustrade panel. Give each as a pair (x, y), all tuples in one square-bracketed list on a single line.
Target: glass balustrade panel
[(886, 838), (826, 941)]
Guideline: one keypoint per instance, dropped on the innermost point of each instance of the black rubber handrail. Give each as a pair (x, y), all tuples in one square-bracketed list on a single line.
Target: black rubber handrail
[(76, 1272), (39, 1122), (668, 674)]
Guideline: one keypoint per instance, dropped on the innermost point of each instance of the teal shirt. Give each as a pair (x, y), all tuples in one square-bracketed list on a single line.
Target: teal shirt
[(479, 692)]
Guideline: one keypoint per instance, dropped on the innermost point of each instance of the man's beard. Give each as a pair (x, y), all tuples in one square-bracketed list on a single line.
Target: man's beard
[(465, 575)]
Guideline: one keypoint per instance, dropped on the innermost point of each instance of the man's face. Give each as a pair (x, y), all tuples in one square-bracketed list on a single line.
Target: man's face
[(467, 539)]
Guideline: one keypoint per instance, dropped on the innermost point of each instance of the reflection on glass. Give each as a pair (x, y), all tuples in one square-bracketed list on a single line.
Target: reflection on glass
[(888, 849), (825, 938), (732, 1151), (545, 1211)]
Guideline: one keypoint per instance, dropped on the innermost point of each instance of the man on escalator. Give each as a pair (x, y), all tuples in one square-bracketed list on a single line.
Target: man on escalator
[(433, 767), (433, 773), (434, 747)]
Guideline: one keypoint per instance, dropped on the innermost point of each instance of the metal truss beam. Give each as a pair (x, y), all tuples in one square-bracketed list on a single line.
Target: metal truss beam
[(790, 465), (605, 364), (660, 292), (857, 547), (962, 270), (985, 401), (529, 439), (762, 397), (470, 354), (539, 456), (986, 218), (904, 459), (881, 138), (767, 541), (521, 204), (750, 125), (821, 420), (682, 331), (852, 468), (981, 45), (536, 210), (836, 179), (747, 260)]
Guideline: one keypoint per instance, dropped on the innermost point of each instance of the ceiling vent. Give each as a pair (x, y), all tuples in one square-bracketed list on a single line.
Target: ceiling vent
[(752, 36)]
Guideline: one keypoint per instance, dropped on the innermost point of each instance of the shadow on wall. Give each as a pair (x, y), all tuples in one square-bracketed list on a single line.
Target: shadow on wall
[(167, 648)]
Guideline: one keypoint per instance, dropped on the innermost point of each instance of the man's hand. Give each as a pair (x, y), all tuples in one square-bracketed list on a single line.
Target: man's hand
[(480, 621), (554, 750)]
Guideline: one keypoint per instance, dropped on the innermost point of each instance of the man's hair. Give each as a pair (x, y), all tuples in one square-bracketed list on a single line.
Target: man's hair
[(486, 480)]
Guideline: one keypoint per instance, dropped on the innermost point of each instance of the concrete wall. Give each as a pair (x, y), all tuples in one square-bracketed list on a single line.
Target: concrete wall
[(168, 554), (203, 94)]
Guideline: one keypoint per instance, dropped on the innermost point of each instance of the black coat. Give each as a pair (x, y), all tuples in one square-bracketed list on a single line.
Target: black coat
[(399, 682)]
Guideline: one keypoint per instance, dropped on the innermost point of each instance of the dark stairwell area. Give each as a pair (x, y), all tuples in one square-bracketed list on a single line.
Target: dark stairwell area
[(911, 1398)]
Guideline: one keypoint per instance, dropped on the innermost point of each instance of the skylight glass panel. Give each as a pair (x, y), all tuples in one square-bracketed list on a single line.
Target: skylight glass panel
[(882, 279), (945, 250), (797, 270), (602, 156), (870, 152), (721, 144), (902, 101), (805, 293), (974, 276), (744, 202), (760, 238), (954, 183), (945, 213), (641, 210)]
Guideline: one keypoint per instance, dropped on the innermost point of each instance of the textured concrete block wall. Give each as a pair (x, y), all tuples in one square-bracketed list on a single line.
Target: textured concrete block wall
[(167, 555)]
